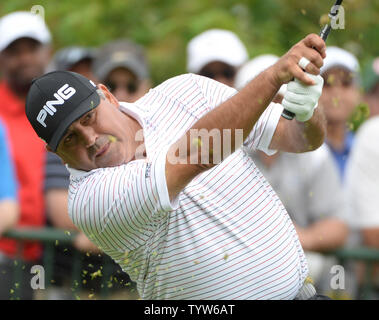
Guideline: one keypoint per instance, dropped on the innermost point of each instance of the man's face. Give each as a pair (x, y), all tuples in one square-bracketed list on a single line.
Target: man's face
[(125, 86), (103, 137), (23, 60), (220, 72), (340, 95)]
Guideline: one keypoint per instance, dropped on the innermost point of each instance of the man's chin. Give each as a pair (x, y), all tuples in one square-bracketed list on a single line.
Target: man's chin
[(109, 163)]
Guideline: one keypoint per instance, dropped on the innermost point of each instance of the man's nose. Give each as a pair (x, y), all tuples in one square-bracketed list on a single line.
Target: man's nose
[(88, 136)]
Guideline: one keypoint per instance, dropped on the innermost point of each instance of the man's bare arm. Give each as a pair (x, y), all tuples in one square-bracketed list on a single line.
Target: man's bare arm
[(243, 110), (326, 234), (294, 136)]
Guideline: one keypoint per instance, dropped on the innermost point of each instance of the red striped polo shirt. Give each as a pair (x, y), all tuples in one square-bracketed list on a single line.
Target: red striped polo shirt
[(226, 236)]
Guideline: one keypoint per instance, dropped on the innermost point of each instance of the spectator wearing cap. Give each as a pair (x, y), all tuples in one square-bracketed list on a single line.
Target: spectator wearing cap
[(362, 185), (304, 183), (24, 54), (76, 59), (341, 94), (122, 66), (216, 54), (370, 82), (9, 208)]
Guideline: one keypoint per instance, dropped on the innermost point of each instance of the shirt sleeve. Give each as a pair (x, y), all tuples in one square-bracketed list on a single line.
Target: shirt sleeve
[(260, 137), (8, 184), (362, 176), (116, 207)]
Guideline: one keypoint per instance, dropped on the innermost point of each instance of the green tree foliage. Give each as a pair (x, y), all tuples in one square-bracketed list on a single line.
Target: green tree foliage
[(164, 27)]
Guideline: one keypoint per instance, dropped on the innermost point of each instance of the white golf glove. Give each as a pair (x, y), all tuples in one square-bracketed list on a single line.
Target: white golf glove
[(303, 99)]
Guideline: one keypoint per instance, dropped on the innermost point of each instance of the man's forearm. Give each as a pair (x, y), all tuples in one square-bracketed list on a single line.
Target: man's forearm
[(296, 137), (313, 131), (9, 214), (323, 235), (238, 114)]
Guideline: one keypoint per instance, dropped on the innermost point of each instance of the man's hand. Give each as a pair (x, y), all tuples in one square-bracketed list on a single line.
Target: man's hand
[(302, 99), (312, 48)]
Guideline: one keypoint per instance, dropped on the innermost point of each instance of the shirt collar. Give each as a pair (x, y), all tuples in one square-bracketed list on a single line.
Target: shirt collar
[(349, 141), (132, 110)]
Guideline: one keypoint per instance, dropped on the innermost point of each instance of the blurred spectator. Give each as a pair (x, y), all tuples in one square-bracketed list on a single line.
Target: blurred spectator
[(339, 97), (362, 184), (216, 54), (56, 185), (252, 68), (121, 65), (304, 183), (24, 54), (75, 59), (370, 80), (9, 210)]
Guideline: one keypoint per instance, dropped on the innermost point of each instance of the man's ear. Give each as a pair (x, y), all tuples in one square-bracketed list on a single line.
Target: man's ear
[(108, 95)]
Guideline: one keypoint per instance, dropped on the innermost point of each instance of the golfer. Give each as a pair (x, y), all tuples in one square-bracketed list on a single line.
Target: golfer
[(185, 218)]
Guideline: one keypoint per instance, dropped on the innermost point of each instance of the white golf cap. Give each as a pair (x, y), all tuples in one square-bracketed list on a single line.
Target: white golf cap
[(254, 67), (215, 45), (337, 57), (22, 24)]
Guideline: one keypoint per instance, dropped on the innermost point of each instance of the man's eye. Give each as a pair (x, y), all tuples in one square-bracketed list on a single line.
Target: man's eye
[(89, 116), (68, 138)]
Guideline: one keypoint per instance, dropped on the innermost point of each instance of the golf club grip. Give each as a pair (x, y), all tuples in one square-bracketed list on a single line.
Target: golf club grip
[(324, 35)]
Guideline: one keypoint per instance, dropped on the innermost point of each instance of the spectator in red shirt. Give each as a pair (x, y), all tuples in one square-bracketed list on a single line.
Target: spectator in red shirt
[(24, 54)]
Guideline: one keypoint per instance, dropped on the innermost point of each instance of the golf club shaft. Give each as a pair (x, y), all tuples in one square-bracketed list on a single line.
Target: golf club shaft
[(324, 35)]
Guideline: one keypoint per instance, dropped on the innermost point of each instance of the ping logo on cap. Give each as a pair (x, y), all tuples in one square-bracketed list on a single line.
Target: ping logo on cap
[(64, 93)]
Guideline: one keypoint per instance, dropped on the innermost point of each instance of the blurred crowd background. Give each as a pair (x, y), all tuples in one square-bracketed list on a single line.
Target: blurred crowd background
[(131, 46)]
